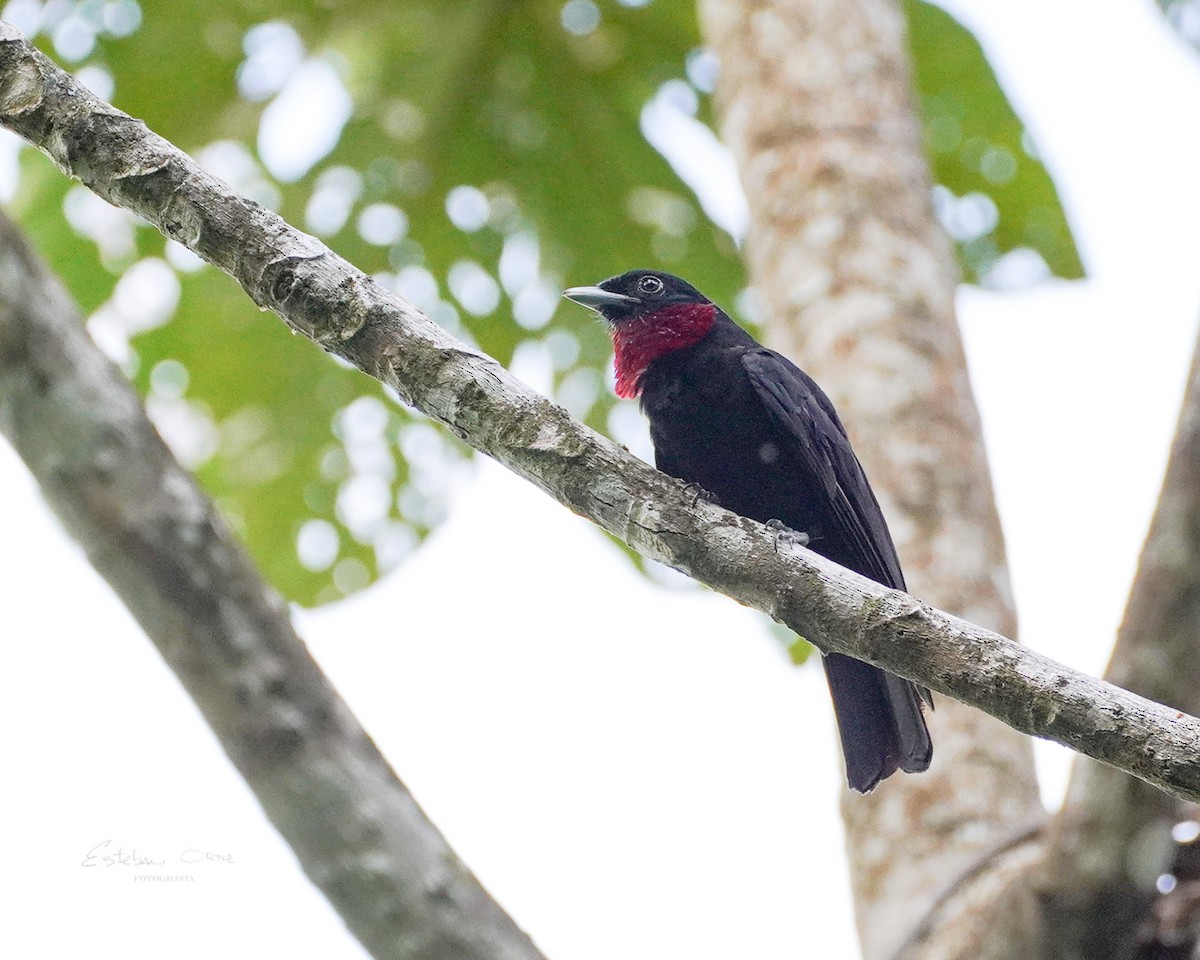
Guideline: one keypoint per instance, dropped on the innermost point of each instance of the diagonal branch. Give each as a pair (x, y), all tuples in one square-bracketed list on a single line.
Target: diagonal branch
[(325, 298), (1110, 841), (163, 547)]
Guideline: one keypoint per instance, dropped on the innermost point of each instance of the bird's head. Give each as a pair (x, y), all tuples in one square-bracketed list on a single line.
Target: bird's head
[(634, 294), (649, 314)]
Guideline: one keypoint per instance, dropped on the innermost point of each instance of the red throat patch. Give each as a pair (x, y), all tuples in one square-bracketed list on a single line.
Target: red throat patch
[(639, 342)]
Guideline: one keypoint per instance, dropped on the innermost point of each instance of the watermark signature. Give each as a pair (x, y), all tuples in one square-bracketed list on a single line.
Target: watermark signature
[(153, 865)]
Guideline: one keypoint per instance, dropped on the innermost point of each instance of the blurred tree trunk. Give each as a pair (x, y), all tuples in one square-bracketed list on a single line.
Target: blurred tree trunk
[(166, 551), (1112, 840), (858, 284)]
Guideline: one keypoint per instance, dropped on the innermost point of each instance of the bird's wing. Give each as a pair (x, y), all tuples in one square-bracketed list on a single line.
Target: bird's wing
[(808, 422)]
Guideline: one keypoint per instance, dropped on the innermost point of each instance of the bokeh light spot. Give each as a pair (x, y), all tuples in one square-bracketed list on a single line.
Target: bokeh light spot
[(467, 208), (473, 287), (317, 545), (382, 224), (580, 17)]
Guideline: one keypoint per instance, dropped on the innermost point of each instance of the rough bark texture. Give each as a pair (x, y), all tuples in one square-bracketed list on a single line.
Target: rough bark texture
[(162, 546), (320, 295), (1111, 840), (858, 281), (993, 888)]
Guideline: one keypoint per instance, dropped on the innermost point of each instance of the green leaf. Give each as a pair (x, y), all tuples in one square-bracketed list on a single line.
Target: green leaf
[(799, 649), (293, 433), (492, 157), (545, 126), (979, 150)]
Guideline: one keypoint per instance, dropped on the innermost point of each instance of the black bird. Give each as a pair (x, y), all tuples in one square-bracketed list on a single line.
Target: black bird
[(747, 425)]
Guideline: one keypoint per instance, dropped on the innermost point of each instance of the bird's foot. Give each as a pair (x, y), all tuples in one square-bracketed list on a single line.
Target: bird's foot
[(786, 534), (698, 493)]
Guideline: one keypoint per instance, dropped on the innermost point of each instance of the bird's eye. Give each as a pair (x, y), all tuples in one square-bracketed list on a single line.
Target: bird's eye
[(650, 285)]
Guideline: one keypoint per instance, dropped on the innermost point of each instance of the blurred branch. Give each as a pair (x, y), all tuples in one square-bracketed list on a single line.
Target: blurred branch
[(1184, 16), (858, 276), (1111, 839), (325, 298), (162, 546)]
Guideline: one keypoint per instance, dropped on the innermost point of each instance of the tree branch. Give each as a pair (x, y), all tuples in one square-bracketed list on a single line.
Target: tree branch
[(1111, 840), (328, 300), (162, 546)]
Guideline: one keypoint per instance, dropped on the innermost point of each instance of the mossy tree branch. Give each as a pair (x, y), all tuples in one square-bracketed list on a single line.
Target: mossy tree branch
[(325, 298)]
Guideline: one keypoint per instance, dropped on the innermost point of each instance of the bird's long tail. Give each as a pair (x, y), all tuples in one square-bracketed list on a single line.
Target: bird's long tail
[(880, 720)]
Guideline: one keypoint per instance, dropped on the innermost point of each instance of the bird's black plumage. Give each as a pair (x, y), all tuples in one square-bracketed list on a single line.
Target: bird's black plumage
[(746, 424)]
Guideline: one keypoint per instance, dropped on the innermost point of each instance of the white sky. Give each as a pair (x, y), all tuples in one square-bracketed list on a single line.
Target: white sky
[(633, 772)]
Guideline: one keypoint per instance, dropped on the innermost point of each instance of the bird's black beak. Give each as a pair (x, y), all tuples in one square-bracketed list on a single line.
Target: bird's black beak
[(595, 298)]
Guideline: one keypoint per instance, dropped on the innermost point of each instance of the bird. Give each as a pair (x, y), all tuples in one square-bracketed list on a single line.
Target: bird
[(758, 436)]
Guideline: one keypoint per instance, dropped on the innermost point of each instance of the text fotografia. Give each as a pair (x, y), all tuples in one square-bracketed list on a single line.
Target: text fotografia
[(106, 854)]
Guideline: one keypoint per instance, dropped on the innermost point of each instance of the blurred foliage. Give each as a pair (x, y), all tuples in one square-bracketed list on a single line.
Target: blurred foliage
[(994, 196), (475, 157), (799, 649)]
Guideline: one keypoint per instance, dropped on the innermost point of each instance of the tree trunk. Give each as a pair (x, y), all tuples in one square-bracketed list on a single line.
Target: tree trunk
[(1112, 839), (858, 282), (163, 547), (845, 250)]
